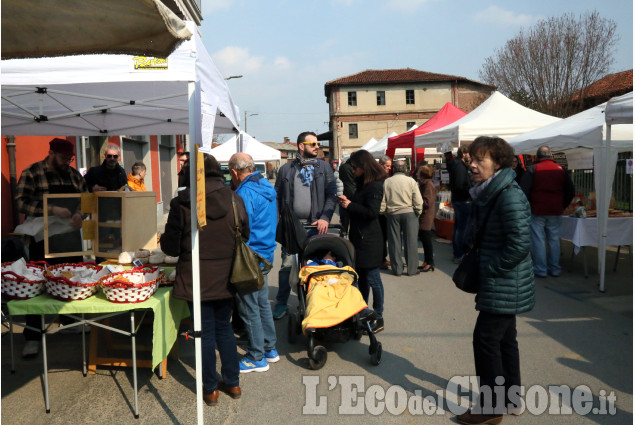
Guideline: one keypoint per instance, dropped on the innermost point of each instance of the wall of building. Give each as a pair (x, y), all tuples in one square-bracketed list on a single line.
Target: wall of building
[(469, 96)]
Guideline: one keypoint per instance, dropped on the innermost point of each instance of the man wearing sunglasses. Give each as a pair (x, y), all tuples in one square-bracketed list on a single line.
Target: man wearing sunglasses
[(307, 187), (109, 175)]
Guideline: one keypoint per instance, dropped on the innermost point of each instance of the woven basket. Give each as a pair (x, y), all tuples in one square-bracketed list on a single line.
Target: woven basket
[(64, 289), (118, 288), (18, 288)]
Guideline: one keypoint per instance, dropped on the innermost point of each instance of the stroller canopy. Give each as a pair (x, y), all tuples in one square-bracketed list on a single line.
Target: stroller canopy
[(341, 248)]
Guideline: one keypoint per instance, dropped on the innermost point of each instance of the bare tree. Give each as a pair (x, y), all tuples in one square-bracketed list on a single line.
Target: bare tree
[(547, 67)]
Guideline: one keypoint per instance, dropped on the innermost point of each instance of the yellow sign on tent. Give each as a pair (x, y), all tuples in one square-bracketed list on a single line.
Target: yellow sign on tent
[(200, 189)]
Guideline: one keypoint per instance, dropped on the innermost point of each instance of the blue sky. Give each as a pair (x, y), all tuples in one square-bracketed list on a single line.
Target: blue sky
[(287, 50)]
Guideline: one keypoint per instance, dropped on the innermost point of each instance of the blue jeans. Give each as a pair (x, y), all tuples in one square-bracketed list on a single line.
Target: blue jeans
[(255, 311), (461, 232), (284, 288), (370, 279), (546, 228), (216, 332)]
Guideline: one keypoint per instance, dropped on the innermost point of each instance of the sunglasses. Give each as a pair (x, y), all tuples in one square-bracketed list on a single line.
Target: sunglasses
[(314, 144), (112, 156)]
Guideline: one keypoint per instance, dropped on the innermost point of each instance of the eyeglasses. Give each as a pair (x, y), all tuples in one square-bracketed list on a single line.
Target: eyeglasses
[(65, 158), (112, 156), (314, 144)]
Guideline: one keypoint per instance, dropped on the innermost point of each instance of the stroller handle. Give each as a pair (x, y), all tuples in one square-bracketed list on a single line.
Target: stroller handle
[(331, 226)]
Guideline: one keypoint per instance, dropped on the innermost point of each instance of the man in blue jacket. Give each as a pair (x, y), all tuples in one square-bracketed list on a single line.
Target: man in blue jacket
[(260, 202)]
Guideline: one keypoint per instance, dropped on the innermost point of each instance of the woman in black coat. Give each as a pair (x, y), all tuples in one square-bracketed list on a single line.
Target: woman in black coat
[(365, 230)]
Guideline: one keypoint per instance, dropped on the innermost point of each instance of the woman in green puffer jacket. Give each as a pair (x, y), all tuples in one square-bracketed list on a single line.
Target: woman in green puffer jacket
[(505, 273)]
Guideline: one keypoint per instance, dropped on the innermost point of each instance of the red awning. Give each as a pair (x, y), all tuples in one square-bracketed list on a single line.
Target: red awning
[(446, 115)]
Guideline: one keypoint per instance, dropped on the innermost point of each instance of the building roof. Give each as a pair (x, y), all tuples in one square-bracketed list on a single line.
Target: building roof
[(609, 86), (388, 76), (282, 146)]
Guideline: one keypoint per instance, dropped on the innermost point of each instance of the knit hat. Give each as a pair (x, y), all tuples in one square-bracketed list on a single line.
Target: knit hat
[(62, 146)]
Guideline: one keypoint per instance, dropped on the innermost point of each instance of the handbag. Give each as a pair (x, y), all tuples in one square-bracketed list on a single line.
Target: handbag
[(466, 276), (290, 232), (246, 276)]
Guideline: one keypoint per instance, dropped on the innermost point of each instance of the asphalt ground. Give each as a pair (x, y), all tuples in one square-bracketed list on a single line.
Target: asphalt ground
[(576, 337)]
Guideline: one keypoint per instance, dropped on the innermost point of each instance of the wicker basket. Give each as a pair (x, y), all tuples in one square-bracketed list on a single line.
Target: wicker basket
[(132, 286), (18, 287), (64, 289)]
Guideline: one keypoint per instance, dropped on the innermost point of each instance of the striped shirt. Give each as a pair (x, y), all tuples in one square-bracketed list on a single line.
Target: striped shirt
[(37, 180)]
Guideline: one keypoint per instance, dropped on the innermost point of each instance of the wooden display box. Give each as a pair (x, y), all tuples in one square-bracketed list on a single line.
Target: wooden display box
[(118, 221)]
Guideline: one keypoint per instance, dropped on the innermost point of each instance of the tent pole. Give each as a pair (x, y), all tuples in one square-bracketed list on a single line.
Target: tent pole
[(603, 207), (194, 120)]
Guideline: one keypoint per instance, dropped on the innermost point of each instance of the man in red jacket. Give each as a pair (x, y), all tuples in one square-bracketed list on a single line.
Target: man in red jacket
[(549, 190)]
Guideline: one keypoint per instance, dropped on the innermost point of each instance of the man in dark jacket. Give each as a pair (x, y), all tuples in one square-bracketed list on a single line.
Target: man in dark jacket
[(260, 203), (348, 179), (460, 183), (549, 190), (307, 185), (109, 175)]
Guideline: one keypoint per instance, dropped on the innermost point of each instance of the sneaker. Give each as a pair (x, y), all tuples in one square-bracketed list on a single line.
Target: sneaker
[(75, 330), (272, 356), (248, 365), (457, 260), (377, 325), (279, 311), (470, 418), (31, 349)]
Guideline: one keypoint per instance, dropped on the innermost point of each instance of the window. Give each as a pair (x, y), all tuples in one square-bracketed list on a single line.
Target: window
[(410, 97), (352, 98), (352, 131), (409, 125), (381, 98)]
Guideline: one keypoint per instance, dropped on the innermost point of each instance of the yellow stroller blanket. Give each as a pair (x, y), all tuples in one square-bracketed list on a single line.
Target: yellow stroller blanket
[(331, 298)]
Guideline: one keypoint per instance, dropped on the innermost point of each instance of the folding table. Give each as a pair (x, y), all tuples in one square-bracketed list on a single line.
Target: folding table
[(168, 313)]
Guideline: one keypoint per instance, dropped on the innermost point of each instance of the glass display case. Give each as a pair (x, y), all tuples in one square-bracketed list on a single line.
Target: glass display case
[(113, 222)]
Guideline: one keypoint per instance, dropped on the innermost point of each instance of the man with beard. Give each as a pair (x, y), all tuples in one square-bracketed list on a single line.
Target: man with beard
[(307, 185), (52, 175), (109, 175)]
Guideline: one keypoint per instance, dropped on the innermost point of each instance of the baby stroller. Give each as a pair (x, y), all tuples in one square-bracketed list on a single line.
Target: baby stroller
[(351, 325)]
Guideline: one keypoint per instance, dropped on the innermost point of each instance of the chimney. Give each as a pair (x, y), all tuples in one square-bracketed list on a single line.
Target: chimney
[(287, 140)]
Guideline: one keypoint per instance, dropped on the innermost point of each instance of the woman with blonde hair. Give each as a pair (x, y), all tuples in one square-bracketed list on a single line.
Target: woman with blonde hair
[(426, 219)]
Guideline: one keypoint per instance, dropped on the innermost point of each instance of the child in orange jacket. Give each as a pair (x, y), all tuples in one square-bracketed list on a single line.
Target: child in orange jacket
[(135, 179)]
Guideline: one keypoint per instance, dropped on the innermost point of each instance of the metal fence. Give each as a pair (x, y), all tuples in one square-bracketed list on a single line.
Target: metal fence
[(584, 182)]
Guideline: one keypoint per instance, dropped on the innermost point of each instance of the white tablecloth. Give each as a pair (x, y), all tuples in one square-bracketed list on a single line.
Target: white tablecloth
[(584, 231)]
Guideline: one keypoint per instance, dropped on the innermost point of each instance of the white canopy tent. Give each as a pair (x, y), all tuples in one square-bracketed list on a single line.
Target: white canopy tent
[(497, 116), (39, 28), (100, 95), (368, 145), (243, 142), (587, 130), (379, 148), (105, 95)]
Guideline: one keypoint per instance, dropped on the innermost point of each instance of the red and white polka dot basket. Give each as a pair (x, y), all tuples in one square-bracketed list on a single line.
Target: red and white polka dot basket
[(24, 284), (132, 286), (73, 281)]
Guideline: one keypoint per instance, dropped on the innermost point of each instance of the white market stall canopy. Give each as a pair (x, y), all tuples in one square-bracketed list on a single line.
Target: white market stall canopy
[(589, 130), (368, 145), (586, 129), (497, 116), (39, 28), (379, 148), (101, 95), (258, 151), (619, 110)]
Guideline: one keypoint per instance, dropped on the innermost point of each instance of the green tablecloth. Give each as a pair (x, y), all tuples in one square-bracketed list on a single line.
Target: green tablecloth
[(168, 313)]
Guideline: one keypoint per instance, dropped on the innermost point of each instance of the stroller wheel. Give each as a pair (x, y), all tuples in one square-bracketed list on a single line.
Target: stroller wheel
[(375, 354), (317, 357), (292, 328)]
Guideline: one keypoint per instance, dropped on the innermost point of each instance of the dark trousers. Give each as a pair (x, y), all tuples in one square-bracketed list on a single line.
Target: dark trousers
[(370, 280), (425, 236), (384, 234), (217, 333), (496, 354), (345, 220)]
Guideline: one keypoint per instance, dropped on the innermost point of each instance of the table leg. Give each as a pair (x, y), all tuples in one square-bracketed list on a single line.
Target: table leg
[(134, 365), (45, 361), (586, 272), (84, 369), (11, 344), (617, 257)]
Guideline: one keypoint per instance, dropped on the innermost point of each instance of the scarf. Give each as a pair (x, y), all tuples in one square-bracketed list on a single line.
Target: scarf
[(480, 187), (308, 165)]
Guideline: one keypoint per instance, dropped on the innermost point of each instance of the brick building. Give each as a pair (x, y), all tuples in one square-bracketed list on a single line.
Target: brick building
[(373, 103)]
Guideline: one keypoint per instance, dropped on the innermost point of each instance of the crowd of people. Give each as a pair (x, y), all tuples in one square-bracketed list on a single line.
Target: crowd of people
[(383, 212)]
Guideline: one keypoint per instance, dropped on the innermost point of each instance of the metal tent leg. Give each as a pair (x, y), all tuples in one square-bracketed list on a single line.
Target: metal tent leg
[(45, 361), (134, 364)]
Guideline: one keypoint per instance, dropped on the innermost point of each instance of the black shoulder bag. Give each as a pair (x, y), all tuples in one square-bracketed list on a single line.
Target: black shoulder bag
[(466, 276)]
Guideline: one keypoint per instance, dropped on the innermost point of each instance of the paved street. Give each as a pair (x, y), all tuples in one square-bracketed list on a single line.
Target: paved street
[(575, 336)]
